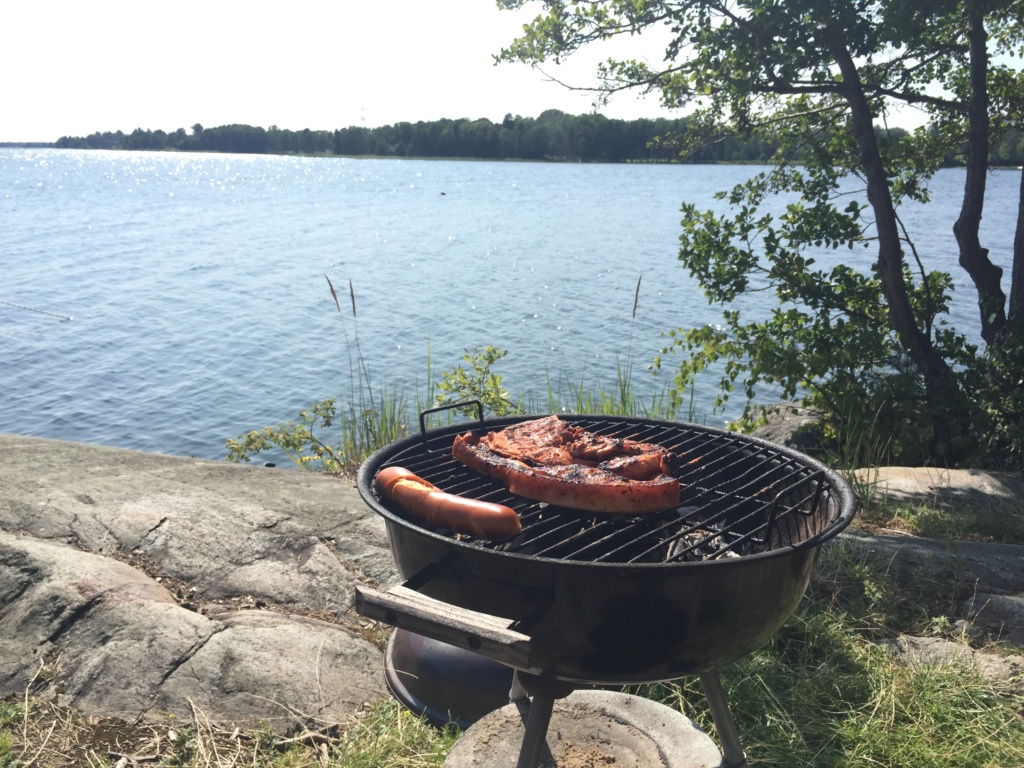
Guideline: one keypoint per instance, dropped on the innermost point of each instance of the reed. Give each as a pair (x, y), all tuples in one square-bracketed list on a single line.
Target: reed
[(337, 438)]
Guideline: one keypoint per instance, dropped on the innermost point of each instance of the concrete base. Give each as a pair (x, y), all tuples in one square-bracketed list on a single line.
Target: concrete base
[(591, 728)]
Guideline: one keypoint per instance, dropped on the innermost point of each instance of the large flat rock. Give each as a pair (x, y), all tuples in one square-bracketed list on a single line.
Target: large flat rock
[(135, 584), (936, 485), (967, 567)]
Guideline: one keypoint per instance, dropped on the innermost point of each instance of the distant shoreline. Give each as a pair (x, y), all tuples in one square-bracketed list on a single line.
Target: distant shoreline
[(52, 145)]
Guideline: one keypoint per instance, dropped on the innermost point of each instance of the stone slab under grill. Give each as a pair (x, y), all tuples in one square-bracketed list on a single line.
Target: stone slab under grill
[(591, 728)]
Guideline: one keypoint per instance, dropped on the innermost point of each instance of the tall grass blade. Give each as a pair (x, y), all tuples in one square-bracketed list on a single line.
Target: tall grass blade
[(334, 293)]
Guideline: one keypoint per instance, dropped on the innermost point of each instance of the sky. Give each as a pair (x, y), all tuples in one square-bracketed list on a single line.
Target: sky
[(73, 68)]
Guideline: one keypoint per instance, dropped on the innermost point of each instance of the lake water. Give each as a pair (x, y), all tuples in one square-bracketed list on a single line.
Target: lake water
[(200, 310)]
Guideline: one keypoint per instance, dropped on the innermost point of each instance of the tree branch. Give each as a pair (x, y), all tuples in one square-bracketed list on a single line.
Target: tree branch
[(917, 98)]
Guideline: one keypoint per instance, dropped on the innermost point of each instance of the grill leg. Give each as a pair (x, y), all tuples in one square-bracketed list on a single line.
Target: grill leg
[(732, 750), (517, 692), (534, 738)]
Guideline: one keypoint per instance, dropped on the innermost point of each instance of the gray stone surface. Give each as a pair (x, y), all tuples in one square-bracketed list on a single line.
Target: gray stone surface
[(130, 584), (965, 566), (985, 584), (1007, 669), (1002, 614), (792, 425), (944, 486), (205, 522)]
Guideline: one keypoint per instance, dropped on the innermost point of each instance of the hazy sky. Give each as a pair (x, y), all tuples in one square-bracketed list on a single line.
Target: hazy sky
[(72, 68)]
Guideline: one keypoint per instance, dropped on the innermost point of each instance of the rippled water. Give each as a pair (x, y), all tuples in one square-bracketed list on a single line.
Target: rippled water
[(196, 283)]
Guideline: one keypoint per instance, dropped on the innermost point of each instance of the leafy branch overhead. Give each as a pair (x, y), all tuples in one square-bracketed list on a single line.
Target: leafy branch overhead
[(861, 327)]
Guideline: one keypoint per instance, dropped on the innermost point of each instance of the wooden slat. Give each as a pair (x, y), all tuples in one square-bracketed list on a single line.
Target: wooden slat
[(481, 633)]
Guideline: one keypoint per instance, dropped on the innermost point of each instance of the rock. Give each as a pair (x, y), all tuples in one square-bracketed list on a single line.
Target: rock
[(964, 566), (108, 640), (967, 630), (284, 670), (228, 530), (985, 580), (129, 583), (936, 651), (792, 425), (1003, 615), (944, 486)]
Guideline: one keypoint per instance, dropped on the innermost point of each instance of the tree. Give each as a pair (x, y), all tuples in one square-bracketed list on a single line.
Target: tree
[(817, 79)]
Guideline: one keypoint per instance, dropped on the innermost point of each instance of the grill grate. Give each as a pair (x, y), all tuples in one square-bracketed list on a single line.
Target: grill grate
[(738, 497)]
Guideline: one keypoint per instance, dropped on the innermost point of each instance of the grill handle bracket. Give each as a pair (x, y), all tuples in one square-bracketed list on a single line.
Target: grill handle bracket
[(450, 406), (481, 633)]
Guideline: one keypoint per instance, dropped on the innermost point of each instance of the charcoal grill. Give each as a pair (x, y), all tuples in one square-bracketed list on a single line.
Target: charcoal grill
[(583, 598)]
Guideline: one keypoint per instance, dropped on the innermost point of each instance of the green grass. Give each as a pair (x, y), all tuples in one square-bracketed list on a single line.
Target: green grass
[(392, 738), (820, 696), (827, 691)]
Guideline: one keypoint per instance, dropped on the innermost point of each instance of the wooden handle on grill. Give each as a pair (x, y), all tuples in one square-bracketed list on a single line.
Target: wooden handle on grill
[(482, 633)]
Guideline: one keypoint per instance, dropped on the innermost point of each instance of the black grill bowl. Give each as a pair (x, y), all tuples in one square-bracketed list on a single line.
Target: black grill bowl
[(615, 622)]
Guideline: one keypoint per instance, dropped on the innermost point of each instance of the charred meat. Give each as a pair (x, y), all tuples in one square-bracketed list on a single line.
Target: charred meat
[(549, 460)]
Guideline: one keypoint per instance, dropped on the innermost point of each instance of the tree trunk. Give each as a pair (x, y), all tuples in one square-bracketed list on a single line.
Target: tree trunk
[(946, 403), (973, 258), (1016, 314)]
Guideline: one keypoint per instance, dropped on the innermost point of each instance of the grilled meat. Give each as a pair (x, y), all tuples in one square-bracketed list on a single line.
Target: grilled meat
[(552, 461)]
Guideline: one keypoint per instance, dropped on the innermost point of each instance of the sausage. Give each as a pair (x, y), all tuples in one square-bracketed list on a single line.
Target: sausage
[(387, 477), (458, 514)]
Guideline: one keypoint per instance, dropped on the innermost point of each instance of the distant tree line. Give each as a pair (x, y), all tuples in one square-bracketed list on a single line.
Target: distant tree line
[(554, 135)]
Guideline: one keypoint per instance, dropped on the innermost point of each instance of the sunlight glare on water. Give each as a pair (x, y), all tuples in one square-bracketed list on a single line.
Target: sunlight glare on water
[(196, 283)]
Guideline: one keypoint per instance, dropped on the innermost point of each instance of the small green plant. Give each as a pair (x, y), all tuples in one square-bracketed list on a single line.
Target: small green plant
[(300, 441), (477, 382), (7, 759), (997, 389), (940, 626), (565, 396), (184, 746), (11, 712), (360, 431)]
